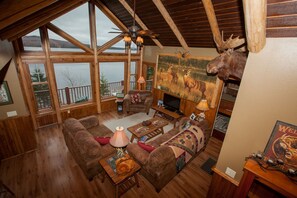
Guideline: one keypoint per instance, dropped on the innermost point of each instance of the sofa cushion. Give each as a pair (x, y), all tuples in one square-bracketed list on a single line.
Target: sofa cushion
[(73, 125), (89, 122), (146, 147), (88, 146), (101, 131), (102, 140), (135, 98)]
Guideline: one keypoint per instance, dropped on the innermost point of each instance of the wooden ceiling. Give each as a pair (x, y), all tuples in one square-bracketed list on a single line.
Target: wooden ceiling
[(18, 19)]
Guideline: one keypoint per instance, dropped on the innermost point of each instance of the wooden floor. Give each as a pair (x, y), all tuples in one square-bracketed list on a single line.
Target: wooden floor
[(50, 171)]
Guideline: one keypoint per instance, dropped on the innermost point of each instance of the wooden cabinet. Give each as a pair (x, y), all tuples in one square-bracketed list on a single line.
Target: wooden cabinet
[(225, 109), (222, 119), (275, 180)]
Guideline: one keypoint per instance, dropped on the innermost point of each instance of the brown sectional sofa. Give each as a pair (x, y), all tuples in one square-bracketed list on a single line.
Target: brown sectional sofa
[(159, 166), (86, 151)]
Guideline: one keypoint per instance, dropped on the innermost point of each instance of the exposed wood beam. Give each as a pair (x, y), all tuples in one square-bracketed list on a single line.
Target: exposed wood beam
[(110, 15), (38, 19), (95, 79), (109, 43), (50, 72), (255, 12), (68, 37), (24, 83), (218, 38), (11, 13), (171, 23), (138, 20), (212, 21)]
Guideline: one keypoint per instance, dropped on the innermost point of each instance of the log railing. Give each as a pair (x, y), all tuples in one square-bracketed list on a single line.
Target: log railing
[(70, 95)]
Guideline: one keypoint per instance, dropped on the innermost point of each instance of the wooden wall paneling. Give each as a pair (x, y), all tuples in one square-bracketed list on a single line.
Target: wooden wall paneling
[(17, 136), (221, 185), (79, 111), (18, 12), (108, 105), (171, 24), (46, 119)]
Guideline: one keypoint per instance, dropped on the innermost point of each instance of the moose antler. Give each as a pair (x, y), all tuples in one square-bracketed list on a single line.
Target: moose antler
[(230, 43)]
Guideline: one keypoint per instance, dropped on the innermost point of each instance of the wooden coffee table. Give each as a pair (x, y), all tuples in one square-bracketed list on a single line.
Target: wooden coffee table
[(156, 128), (122, 182)]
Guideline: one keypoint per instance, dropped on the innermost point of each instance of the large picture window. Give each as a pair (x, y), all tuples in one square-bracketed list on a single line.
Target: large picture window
[(111, 78)]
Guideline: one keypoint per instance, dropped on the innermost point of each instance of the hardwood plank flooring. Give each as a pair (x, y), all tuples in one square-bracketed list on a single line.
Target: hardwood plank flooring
[(50, 171)]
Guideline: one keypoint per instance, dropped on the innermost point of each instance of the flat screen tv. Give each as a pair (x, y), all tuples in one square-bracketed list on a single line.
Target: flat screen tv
[(170, 102)]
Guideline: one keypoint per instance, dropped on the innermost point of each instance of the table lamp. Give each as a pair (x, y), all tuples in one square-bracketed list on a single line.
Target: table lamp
[(202, 106), (141, 81), (119, 140)]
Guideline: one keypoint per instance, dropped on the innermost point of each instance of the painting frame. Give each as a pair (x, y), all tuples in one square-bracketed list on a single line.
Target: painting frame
[(279, 143), (176, 85), (5, 96)]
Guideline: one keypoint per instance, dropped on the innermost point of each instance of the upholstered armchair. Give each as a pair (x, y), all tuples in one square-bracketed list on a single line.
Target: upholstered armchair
[(138, 101)]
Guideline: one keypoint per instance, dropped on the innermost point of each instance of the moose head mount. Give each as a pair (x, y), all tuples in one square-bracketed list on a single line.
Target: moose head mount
[(230, 63)]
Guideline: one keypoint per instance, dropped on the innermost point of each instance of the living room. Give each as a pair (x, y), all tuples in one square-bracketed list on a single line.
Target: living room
[(266, 94)]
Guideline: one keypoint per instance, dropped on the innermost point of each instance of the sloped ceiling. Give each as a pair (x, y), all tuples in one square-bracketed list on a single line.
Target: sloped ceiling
[(17, 19)]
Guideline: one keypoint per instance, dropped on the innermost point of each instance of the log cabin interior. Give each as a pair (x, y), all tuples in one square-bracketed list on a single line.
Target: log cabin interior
[(35, 161)]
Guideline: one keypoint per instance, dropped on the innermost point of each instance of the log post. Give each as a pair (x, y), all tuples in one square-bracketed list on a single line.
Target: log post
[(255, 12)]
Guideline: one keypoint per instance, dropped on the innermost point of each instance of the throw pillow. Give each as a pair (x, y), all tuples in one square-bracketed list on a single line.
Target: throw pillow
[(102, 140), (146, 147), (135, 98)]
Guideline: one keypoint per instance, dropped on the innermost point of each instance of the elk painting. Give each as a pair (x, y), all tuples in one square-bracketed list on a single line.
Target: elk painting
[(229, 64), (186, 78)]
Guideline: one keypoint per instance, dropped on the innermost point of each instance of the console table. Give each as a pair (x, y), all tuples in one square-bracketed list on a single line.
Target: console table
[(273, 179), (162, 112)]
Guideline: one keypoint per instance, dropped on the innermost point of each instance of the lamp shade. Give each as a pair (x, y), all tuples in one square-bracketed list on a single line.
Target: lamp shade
[(141, 80), (119, 138), (202, 105)]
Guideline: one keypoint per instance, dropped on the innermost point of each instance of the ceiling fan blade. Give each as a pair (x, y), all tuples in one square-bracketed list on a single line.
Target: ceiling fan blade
[(116, 32), (115, 29), (148, 33)]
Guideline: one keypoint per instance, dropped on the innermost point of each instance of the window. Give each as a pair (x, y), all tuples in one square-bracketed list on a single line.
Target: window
[(76, 24), (32, 41), (111, 78), (133, 76), (73, 82), (40, 86)]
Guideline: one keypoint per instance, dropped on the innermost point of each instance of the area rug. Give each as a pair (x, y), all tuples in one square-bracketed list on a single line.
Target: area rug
[(133, 120), (208, 164)]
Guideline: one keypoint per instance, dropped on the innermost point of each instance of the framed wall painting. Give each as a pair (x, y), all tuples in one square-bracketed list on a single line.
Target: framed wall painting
[(5, 97), (282, 144), (187, 78)]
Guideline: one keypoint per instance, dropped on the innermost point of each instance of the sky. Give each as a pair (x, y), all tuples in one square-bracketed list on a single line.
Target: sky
[(76, 23)]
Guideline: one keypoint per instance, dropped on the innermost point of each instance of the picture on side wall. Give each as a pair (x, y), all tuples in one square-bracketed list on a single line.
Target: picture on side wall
[(282, 144), (187, 78), (5, 97)]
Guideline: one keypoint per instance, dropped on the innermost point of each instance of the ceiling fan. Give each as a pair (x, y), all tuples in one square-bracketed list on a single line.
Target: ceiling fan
[(134, 32)]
